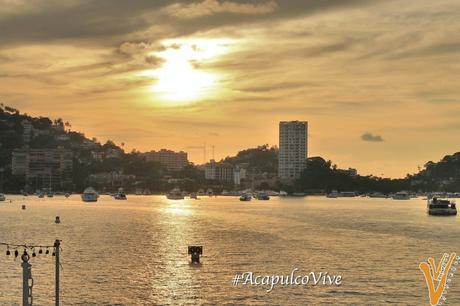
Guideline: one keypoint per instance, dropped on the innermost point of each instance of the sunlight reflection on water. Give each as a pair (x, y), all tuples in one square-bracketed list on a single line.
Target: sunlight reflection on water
[(134, 252)]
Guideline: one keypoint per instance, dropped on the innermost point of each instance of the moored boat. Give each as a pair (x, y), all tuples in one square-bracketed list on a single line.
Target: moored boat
[(283, 193), (262, 195), (2, 197), (120, 195), (401, 195), (89, 195), (175, 194), (193, 196), (333, 194), (377, 195), (245, 197)]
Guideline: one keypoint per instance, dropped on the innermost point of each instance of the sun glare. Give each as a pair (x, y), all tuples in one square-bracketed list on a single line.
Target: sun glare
[(180, 79)]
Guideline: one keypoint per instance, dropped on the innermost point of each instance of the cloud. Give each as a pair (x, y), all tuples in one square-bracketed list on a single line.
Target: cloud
[(212, 7), (371, 138)]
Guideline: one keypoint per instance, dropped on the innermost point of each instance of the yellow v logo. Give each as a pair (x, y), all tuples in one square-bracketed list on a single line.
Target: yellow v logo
[(438, 274)]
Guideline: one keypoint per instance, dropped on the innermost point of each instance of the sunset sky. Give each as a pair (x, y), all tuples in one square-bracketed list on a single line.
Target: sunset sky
[(378, 81)]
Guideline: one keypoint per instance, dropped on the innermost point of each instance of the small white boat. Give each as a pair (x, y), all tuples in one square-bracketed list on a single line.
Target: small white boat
[(175, 194), (333, 194), (2, 197), (262, 195), (193, 196), (377, 195), (120, 195), (401, 195), (347, 194), (245, 197), (283, 193), (89, 195), (438, 207)]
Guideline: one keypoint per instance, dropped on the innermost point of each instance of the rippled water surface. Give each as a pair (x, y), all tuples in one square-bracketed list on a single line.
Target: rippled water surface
[(134, 252)]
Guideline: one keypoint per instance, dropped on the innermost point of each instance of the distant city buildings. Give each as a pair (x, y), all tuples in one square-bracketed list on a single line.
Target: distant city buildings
[(113, 178), (350, 172), (224, 172), (293, 148), (173, 161), (43, 167)]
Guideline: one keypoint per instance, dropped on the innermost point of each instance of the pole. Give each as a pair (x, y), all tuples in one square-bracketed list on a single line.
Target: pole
[(57, 245), (26, 269)]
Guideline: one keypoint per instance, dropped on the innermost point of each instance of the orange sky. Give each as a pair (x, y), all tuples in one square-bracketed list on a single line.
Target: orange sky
[(377, 80)]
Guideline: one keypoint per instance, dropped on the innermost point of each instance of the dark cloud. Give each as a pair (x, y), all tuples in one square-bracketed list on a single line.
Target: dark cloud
[(330, 48), (439, 49), (371, 138), (107, 21), (278, 86)]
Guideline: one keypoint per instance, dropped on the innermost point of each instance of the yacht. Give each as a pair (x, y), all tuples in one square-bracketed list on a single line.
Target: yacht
[(440, 207), (334, 194), (348, 194), (175, 194), (377, 195), (2, 197), (299, 194), (401, 195), (245, 197), (262, 195), (120, 195), (89, 195), (283, 193), (193, 196)]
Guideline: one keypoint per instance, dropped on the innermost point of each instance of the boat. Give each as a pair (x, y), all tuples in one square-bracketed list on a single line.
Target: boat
[(299, 194), (333, 194), (57, 220), (50, 194), (245, 197), (89, 195), (377, 195), (175, 194), (120, 195), (67, 195), (347, 194), (283, 193), (2, 197), (262, 195), (193, 196), (439, 207), (401, 195)]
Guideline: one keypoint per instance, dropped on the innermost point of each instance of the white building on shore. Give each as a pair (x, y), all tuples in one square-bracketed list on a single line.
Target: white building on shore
[(293, 148)]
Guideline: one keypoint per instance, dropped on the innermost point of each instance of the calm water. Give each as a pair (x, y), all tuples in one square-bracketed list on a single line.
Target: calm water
[(135, 252)]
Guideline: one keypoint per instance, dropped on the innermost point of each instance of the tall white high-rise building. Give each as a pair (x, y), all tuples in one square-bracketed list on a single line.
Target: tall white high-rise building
[(293, 148)]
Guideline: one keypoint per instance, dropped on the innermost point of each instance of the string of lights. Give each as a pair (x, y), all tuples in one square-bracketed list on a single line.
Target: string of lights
[(42, 249)]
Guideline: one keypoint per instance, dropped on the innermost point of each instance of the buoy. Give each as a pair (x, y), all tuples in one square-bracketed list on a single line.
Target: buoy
[(58, 220), (23, 207), (195, 251)]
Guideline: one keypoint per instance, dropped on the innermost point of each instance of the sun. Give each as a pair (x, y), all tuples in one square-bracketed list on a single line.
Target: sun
[(180, 80)]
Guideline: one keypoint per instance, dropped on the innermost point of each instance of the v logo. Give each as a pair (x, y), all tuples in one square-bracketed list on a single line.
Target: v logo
[(435, 274)]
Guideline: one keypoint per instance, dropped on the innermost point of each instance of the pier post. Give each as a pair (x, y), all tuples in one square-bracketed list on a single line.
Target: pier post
[(57, 245), (26, 276)]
